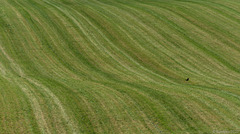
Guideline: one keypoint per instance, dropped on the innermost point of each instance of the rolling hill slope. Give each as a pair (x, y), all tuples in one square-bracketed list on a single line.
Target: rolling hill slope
[(119, 66)]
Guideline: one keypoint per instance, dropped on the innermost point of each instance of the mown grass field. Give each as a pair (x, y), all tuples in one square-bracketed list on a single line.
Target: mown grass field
[(119, 66)]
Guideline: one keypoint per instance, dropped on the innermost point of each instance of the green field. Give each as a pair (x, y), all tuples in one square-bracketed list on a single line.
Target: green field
[(119, 66)]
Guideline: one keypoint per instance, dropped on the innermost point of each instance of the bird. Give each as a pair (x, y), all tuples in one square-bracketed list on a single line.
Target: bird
[(187, 79)]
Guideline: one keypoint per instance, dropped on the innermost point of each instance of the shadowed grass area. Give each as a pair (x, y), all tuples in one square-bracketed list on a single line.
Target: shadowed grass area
[(119, 66)]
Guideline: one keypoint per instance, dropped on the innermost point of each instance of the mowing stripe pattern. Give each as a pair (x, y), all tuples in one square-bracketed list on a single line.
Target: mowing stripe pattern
[(119, 66)]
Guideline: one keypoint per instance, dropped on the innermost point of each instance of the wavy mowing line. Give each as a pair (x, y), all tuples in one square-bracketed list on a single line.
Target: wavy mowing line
[(69, 121), (36, 33), (127, 25), (90, 109), (56, 61), (215, 102), (205, 100), (112, 100), (37, 110), (212, 6), (142, 67), (42, 122), (130, 93), (196, 44), (231, 73), (217, 29), (104, 90), (99, 91), (107, 40), (106, 52), (112, 55), (46, 31), (125, 31), (117, 98), (107, 107), (179, 62), (81, 101), (102, 35), (110, 52), (188, 20), (218, 58), (233, 42), (234, 5), (90, 39), (57, 57), (175, 111), (136, 101), (212, 79), (34, 102), (226, 73), (75, 22), (31, 34)]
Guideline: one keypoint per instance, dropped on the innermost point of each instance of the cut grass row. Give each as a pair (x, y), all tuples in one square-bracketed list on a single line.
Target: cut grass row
[(119, 66)]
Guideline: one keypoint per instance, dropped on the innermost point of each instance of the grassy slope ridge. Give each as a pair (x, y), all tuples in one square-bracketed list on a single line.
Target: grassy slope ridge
[(119, 66)]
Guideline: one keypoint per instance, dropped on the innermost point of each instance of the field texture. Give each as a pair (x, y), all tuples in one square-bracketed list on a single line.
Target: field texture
[(119, 66)]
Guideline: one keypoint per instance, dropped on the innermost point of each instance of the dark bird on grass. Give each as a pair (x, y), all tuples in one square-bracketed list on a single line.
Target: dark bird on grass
[(187, 79)]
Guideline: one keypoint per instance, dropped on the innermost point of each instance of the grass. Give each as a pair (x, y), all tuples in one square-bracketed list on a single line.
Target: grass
[(119, 66)]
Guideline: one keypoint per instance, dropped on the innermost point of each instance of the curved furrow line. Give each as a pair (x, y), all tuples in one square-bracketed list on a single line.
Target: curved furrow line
[(134, 30), (134, 40), (111, 43), (207, 100), (85, 34), (35, 104), (59, 57), (57, 50), (195, 43), (212, 6), (199, 27), (202, 94), (116, 58), (218, 104), (151, 92), (222, 19), (193, 21), (29, 29), (78, 100), (25, 52), (166, 50), (31, 96), (128, 9), (125, 106), (119, 66), (235, 59), (105, 52), (69, 121), (203, 48)]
